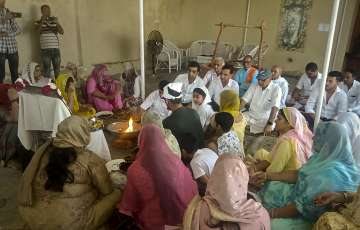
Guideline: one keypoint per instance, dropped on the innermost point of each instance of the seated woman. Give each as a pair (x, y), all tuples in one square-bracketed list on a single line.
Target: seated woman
[(66, 85), (347, 217), (159, 186), (332, 168), (222, 208), (66, 186), (102, 91), (131, 86), (200, 104), (293, 147), (33, 75), (150, 117), (351, 122), (230, 102)]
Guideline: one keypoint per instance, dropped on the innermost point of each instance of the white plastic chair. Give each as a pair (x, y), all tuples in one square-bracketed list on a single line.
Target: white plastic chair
[(202, 50), (169, 58)]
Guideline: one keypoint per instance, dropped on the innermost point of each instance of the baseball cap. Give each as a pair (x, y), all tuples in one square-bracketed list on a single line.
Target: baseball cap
[(263, 75)]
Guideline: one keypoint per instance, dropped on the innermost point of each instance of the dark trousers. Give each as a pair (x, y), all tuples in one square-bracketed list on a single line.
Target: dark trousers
[(310, 120), (13, 60), (51, 56)]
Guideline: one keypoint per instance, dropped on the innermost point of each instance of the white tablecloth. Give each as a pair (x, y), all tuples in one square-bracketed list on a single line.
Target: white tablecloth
[(41, 113)]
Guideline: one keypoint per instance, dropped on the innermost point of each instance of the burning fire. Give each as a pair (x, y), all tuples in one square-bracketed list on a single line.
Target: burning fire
[(130, 129)]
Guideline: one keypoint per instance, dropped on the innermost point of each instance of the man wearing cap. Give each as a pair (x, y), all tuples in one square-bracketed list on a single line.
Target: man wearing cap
[(182, 120), (155, 102), (190, 81), (264, 99)]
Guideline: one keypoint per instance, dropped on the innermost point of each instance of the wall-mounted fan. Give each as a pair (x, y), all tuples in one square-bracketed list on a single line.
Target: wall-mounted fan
[(154, 46)]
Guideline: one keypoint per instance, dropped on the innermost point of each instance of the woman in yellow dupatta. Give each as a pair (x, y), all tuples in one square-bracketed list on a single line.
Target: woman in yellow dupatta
[(66, 85), (230, 102), (293, 146)]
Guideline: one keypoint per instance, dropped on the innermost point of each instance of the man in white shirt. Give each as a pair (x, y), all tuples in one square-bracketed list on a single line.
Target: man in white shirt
[(215, 72), (190, 81), (225, 82), (264, 99), (155, 103), (335, 99), (278, 80), (308, 82), (352, 89)]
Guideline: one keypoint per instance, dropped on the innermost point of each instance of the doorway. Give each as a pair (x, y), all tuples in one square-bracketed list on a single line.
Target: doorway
[(352, 57)]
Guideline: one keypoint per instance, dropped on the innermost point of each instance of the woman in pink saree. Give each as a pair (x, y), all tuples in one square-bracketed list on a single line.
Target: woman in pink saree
[(159, 186), (102, 91), (225, 205)]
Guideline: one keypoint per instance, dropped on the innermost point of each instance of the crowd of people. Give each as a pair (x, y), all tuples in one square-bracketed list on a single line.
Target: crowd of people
[(192, 169)]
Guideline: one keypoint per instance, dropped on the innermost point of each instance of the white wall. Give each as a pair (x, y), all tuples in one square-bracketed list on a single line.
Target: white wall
[(107, 31)]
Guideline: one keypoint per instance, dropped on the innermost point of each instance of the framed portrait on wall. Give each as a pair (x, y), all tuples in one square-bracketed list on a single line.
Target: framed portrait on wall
[(293, 21)]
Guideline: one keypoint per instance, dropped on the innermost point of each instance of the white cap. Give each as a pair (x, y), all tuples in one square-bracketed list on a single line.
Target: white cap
[(173, 91)]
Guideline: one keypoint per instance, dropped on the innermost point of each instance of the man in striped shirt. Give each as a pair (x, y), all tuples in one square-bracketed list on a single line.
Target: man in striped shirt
[(49, 28), (8, 46)]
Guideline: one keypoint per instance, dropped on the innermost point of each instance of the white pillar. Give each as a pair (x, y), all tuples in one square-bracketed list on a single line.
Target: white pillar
[(246, 23), (329, 45), (142, 47)]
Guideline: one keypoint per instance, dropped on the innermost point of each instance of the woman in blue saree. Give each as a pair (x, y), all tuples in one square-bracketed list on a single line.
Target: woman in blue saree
[(290, 195)]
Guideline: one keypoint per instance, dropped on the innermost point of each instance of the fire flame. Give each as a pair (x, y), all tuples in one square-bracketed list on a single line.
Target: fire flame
[(131, 127)]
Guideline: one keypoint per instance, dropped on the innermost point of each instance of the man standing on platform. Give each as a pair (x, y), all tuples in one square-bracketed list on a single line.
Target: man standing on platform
[(8, 46), (49, 28)]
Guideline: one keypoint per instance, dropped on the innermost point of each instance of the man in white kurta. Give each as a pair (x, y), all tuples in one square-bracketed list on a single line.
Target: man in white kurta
[(264, 99), (308, 82), (352, 89), (334, 101), (225, 82), (215, 72), (155, 103), (278, 80), (190, 81)]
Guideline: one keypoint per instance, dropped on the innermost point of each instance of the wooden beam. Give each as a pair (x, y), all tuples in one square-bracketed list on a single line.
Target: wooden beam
[(217, 41)]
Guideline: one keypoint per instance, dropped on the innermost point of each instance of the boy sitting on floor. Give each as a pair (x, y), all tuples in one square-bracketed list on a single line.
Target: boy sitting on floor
[(228, 142), (202, 161)]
